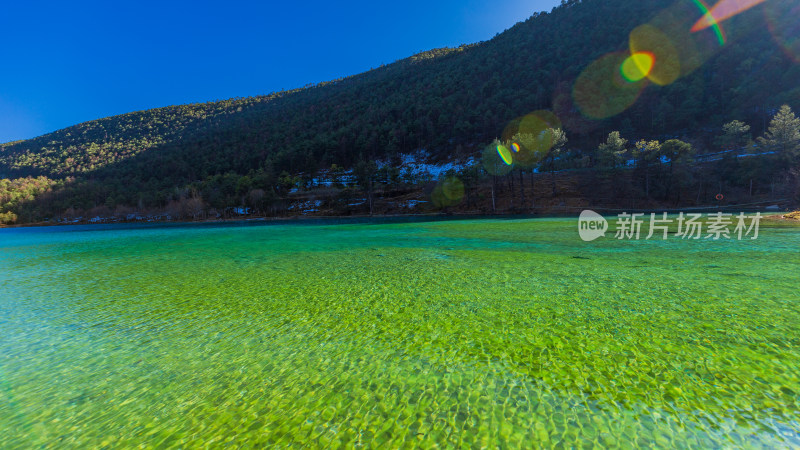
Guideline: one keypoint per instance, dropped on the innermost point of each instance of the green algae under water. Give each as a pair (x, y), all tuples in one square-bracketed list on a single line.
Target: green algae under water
[(510, 333)]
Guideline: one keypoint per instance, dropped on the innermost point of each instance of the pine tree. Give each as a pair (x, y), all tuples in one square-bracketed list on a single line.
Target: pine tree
[(678, 153), (557, 139), (783, 135), (647, 153), (611, 153), (365, 173), (735, 134)]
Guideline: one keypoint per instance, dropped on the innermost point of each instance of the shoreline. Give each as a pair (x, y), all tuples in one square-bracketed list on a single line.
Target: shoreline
[(790, 217), (268, 219)]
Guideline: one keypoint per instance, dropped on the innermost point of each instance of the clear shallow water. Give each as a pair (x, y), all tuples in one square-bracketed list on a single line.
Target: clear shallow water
[(470, 333)]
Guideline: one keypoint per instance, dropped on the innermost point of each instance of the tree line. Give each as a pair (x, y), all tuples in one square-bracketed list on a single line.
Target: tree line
[(619, 170)]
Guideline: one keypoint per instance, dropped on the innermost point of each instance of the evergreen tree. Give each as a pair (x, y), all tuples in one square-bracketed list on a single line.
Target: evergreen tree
[(366, 173), (611, 153), (557, 140), (678, 153), (647, 154), (735, 134), (783, 135)]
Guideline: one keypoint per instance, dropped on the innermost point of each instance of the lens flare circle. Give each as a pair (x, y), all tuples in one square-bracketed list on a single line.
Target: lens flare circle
[(694, 49), (493, 163), (601, 91), (505, 154), (783, 24), (667, 61), (529, 138), (448, 192), (532, 123), (638, 66), (453, 188)]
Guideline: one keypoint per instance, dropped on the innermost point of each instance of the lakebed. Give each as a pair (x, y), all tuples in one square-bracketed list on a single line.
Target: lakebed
[(509, 332)]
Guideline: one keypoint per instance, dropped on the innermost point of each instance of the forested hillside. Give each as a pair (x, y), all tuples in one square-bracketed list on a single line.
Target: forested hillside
[(575, 62)]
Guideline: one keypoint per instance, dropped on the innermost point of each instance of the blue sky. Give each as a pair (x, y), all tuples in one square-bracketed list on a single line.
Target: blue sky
[(68, 62)]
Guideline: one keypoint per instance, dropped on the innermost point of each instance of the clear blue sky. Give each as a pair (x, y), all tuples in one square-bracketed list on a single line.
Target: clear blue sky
[(67, 62)]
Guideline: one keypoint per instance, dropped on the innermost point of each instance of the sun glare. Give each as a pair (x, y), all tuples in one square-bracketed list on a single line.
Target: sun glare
[(724, 10), (638, 65)]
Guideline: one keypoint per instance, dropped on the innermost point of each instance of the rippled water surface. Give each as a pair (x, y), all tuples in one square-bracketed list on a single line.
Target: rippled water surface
[(480, 333)]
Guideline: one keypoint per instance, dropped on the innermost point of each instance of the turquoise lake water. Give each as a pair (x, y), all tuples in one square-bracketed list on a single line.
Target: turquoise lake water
[(468, 333)]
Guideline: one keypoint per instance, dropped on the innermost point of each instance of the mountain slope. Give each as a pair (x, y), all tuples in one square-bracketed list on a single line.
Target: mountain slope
[(450, 102)]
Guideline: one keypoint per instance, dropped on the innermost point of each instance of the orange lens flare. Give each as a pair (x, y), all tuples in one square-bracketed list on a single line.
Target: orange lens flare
[(724, 10), (651, 42), (638, 66)]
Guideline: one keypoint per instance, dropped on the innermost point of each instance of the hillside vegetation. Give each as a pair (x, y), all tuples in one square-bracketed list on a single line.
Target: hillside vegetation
[(452, 103)]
